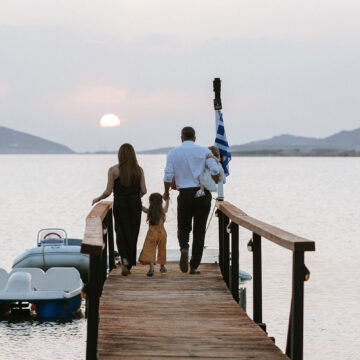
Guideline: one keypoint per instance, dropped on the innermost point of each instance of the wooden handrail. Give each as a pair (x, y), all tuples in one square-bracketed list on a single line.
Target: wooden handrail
[(100, 209), (272, 233), (98, 242), (93, 242)]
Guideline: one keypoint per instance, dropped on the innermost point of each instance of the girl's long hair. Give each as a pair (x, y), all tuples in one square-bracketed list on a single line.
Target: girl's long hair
[(215, 151), (129, 169), (156, 213)]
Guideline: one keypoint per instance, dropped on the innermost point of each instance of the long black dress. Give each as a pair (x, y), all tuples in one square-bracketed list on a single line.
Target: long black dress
[(127, 215)]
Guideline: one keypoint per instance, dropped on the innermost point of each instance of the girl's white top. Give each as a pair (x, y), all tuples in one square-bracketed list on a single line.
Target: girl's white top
[(207, 181)]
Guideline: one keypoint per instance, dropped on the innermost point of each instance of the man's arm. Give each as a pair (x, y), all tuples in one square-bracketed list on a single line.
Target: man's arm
[(166, 190), (168, 176)]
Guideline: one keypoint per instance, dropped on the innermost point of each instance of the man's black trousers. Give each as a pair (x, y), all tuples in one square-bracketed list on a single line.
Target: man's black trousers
[(193, 210)]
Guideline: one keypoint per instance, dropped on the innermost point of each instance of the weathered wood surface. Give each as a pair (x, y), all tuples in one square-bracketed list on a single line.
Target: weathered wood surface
[(272, 233), (176, 316), (93, 242), (100, 210)]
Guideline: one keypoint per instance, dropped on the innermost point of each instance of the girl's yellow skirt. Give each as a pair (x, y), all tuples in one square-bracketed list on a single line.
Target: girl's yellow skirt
[(155, 238)]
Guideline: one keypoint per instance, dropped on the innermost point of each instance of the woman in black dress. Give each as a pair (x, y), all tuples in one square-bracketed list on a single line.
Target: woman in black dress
[(126, 180)]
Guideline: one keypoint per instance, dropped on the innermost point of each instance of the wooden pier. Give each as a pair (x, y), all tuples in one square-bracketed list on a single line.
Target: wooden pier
[(178, 316)]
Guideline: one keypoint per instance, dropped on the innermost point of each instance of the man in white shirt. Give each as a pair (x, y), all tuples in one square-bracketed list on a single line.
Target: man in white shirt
[(186, 163)]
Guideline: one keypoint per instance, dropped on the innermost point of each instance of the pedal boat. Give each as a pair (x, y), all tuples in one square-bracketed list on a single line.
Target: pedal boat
[(54, 249), (54, 294)]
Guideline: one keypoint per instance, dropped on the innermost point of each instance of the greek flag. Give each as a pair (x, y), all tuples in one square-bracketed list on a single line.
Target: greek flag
[(221, 142)]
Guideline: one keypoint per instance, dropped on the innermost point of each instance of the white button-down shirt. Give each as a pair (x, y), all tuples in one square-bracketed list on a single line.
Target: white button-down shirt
[(186, 162)]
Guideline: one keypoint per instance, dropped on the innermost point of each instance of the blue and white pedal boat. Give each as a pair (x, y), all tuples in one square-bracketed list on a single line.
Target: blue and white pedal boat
[(55, 293), (54, 249)]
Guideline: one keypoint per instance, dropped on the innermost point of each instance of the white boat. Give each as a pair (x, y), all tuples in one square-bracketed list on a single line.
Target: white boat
[(54, 294), (54, 249)]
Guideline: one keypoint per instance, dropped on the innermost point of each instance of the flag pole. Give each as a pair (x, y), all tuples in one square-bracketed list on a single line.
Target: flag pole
[(217, 108)]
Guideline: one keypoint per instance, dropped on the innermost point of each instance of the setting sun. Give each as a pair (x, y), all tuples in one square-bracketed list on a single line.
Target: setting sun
[(109, 120)]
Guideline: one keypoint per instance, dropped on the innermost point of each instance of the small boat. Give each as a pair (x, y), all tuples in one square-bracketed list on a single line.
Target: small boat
[(54, 249), (54, 294)]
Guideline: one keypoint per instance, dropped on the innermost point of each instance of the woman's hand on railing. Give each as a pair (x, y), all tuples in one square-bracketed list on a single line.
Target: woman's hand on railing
[(96, 200)]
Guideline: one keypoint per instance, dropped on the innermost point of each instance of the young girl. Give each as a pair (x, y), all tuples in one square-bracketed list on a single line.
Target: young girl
[(156, 235), (206, 181)]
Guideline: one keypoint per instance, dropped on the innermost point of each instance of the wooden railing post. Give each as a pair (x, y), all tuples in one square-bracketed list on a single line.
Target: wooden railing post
[(104, 253), (93, 295), (221, 240), (235, 261), (297, 311), (288, 340), (226, 259), (257, 279), (109, 223), (296, 244), (98, 240)]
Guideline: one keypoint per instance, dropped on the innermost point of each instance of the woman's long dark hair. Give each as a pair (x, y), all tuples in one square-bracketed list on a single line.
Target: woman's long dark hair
[(156, 213), (129, 169)]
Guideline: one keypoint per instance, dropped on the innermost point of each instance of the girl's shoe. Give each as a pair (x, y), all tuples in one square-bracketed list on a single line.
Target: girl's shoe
[(163, 269), (150, 272)]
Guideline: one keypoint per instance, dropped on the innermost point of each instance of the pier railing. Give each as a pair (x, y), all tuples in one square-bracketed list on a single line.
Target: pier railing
[(98, 242), (230, 218)]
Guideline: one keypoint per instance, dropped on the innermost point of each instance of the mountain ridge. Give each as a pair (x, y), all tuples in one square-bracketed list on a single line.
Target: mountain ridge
[(342, 143), (343, 140), (18, 142)]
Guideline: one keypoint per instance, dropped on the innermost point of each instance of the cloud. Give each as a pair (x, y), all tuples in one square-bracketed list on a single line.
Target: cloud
[(96, 100), (326, 21)]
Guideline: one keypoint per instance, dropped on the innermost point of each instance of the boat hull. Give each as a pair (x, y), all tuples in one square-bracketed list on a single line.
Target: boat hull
[(59, 308), (54, 256), (54, 294)]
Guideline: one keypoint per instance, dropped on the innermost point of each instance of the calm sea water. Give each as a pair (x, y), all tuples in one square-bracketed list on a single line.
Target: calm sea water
[(317, 198)]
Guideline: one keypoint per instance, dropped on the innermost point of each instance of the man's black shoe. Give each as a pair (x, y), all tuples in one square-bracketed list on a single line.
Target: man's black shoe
[(184, 260), (194, 272)]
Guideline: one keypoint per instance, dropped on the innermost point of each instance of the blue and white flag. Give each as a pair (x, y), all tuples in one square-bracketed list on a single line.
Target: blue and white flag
[(222, 143)]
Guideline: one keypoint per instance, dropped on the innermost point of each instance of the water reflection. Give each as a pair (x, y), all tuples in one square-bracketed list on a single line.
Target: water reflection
[(24, 336)]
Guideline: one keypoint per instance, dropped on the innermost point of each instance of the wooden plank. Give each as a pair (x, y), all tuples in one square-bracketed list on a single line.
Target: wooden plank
[(176, 316), (100, 209), (93, 238), (272, 233)]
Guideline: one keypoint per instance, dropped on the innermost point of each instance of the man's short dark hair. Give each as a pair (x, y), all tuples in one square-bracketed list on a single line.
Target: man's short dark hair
[(188, 133)]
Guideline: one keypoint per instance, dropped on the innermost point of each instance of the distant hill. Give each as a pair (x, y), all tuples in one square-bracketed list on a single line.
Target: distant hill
[(344, 140), (156, 151), (344, 143), (17, 142)]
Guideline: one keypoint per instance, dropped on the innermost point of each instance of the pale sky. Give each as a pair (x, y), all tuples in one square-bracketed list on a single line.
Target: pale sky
[(286, 66)]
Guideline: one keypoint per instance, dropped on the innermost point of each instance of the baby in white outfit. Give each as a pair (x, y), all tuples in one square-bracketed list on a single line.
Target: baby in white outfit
[(206, 181)]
